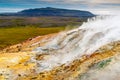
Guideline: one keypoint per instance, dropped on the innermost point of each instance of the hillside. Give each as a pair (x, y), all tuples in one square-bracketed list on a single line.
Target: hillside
[(24, 69), (29, 27), (48, 11), (85, 53)]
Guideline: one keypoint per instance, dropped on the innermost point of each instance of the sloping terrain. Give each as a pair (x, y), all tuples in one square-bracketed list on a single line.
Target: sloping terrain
[(90, 52), (18, 65), (22, 28)]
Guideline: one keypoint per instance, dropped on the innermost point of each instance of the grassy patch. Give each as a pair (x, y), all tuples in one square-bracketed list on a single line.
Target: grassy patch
[(14, 35), (39, 21), (14, 30)]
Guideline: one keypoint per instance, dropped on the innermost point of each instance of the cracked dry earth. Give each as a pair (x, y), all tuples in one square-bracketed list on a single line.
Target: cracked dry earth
[(16, 62)]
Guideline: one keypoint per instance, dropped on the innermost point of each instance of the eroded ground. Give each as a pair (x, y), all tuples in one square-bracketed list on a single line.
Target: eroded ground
[(16, 62)]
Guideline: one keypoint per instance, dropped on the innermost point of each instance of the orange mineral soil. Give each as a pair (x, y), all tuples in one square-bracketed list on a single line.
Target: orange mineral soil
[(16, 64)]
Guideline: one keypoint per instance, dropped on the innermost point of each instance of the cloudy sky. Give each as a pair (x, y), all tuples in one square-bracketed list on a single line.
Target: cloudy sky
[(95, 6)]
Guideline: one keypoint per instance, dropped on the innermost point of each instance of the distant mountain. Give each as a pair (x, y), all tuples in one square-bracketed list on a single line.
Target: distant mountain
[(48, 11)]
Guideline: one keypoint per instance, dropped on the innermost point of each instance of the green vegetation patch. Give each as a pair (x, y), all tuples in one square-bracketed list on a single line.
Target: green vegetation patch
[(14, 35), (102, 64), (14, 30)]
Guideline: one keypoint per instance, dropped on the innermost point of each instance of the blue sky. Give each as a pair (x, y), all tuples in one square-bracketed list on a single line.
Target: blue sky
[(95, 6)]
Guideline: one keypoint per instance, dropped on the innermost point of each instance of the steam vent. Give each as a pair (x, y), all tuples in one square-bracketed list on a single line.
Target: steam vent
[(90, 52)]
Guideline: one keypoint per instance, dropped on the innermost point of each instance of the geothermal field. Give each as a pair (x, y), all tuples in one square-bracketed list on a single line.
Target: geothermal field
[(88, 52)]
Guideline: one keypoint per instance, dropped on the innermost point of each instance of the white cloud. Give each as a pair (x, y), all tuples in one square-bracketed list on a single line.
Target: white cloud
[(47, 0), (10, 9), (85, 1), (105, 1)]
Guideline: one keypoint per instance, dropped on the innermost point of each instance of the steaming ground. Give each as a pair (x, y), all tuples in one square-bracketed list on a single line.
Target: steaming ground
[(110, 72), (66, 55), (85, 40)]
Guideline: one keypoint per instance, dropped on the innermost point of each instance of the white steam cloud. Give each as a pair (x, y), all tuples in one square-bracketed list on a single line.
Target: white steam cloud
[(84, 40)]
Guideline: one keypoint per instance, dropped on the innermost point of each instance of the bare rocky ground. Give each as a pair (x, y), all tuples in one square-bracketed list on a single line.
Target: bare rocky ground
[(16, 64)]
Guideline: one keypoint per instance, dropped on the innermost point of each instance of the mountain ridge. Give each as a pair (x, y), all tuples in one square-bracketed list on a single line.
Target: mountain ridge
[(49, 11)]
